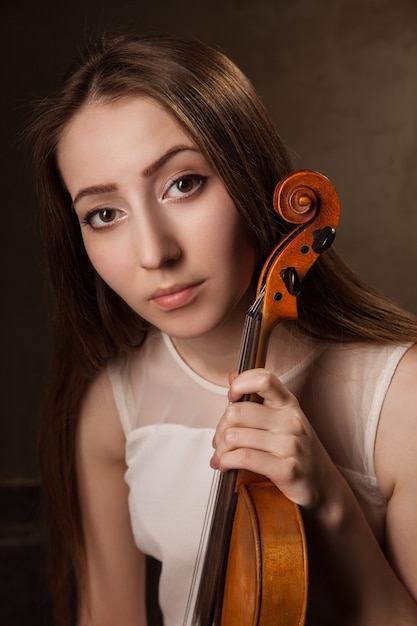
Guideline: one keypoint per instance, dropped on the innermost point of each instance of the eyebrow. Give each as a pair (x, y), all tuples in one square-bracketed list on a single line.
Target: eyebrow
[(149, 171)]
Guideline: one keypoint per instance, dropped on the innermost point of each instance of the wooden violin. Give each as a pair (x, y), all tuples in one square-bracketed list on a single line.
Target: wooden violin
[(255, 569)]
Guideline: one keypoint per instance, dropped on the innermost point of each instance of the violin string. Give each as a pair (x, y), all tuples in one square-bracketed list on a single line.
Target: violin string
[(252, 318), (208, 517)]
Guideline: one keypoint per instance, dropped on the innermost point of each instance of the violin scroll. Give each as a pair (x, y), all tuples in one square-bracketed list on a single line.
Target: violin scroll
[(301, 195), (296, 205)]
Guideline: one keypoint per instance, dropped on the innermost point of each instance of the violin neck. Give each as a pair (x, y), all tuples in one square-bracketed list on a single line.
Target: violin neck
[(249, 344)]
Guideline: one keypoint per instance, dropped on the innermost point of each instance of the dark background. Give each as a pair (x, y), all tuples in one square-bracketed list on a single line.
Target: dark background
[(339, 78)]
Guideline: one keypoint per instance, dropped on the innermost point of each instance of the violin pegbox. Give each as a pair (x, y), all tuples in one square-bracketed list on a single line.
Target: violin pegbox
[(308, 200)]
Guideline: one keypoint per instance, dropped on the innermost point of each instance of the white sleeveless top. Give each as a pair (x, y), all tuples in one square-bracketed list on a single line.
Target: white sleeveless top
[(169, 414)]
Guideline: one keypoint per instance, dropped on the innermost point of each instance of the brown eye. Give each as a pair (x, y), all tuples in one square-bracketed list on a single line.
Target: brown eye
[(99, 219), (107, 215), (185, 185)]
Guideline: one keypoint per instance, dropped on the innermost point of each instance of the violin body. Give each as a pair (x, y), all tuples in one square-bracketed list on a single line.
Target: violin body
[(266, 580)]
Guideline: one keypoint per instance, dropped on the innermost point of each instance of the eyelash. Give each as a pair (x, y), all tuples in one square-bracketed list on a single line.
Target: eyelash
[(199, 179)]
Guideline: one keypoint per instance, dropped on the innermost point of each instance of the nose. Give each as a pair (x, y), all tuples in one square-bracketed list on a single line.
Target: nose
[(157, 241)]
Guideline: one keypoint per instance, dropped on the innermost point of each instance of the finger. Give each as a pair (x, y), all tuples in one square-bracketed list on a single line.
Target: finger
[(281, 444), (261, 382), (284, 418), (285, 473), (232, 375), (249, 459)]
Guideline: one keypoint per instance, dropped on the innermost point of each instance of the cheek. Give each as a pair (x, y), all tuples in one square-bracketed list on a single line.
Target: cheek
[(107, 260), (242, 251), (230, 236), (236, 262)]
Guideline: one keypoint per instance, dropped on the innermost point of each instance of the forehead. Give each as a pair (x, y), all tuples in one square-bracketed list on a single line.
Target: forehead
[(106, 135), (101, 118)]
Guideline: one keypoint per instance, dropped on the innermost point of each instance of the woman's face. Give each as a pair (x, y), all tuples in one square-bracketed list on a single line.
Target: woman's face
[(157, 223)]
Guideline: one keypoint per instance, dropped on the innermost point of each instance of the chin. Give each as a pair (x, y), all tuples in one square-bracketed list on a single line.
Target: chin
[(192, 328)]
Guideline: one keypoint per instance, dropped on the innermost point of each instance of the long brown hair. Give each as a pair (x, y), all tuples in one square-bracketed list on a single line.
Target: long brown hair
[(219, 109)]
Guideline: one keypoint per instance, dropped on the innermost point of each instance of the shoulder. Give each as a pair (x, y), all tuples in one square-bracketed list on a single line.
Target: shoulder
[(100, 431), (396, 443), (128, 368), (354, 355), (368, 367)]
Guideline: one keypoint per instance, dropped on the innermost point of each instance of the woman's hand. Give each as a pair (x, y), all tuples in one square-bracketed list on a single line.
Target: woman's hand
[(274, 439)]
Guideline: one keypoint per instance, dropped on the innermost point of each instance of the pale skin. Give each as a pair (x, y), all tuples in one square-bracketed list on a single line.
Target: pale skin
[(161, 230)]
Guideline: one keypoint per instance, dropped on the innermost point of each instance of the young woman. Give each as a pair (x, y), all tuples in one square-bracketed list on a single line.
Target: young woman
[(155, 167)]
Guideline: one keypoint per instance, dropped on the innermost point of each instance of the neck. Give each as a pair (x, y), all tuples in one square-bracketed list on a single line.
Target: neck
[(212, 356), (215, 354)]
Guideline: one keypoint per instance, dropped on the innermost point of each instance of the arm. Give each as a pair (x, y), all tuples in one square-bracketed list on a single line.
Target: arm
[(396, 468), (114, 588), (353, 583)]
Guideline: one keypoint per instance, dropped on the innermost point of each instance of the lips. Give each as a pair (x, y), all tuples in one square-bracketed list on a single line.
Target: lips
[(175, 297)]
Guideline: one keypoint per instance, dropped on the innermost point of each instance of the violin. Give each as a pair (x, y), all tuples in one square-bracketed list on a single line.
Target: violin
[(255, 571)]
